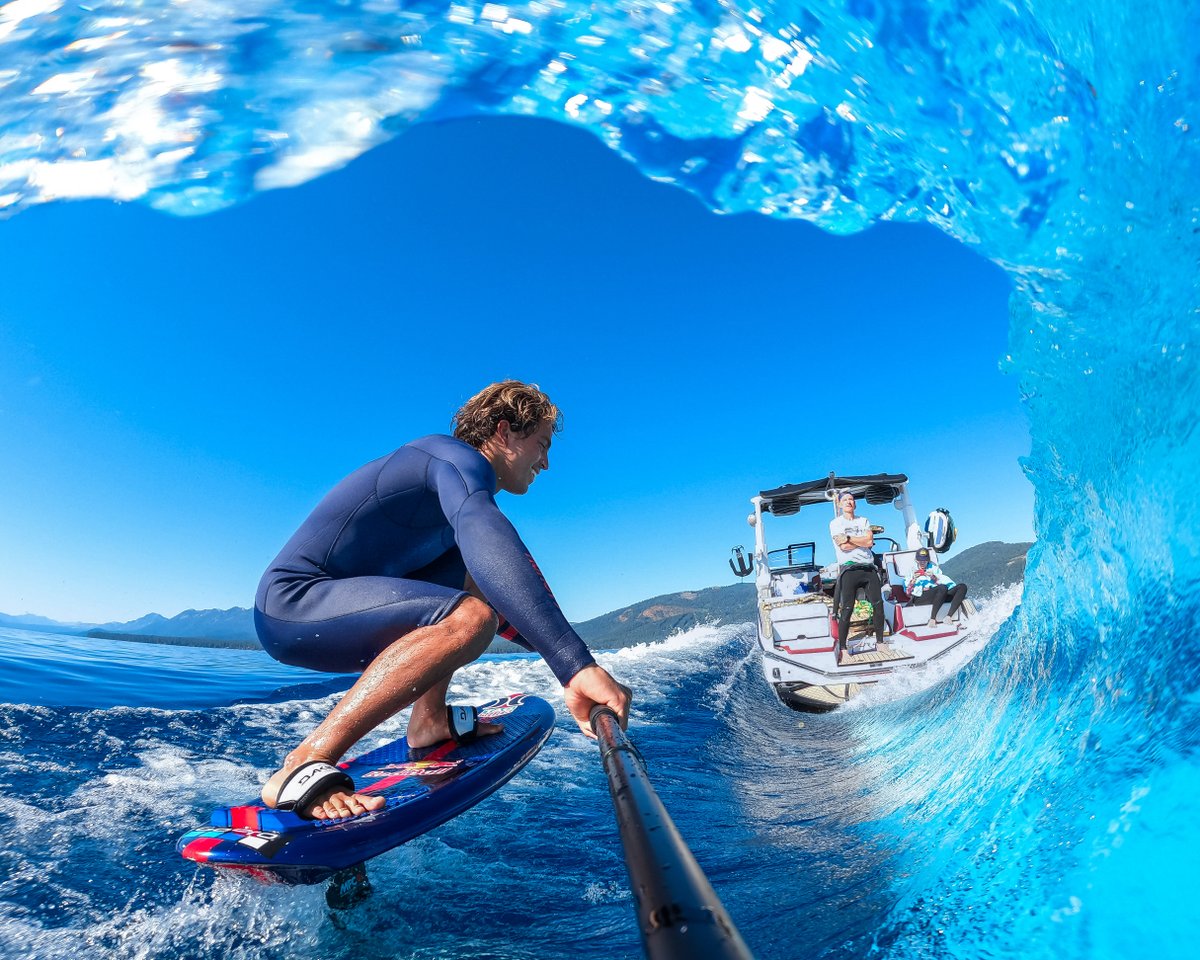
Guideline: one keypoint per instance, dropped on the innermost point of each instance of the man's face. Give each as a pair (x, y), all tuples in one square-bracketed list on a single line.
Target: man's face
[(848, 503), (523, 458)]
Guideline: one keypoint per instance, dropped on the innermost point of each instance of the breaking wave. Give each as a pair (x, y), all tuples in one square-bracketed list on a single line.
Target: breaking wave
[(1040, 793)]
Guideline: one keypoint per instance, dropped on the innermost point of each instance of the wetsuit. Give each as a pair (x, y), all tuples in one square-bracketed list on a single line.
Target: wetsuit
[(850, 578), (387, 551)]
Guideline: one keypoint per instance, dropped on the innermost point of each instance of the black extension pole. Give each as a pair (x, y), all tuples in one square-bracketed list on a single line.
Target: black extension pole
[(678, 911)]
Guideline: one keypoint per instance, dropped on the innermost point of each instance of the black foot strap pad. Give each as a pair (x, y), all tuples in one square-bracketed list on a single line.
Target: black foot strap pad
[(308, 782), (464, 723)]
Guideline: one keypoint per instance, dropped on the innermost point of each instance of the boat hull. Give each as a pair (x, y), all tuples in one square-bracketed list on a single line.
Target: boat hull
[(811, 671)]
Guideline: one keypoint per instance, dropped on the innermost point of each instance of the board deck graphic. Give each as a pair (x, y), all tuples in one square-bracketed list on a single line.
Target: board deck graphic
[(423, 788)]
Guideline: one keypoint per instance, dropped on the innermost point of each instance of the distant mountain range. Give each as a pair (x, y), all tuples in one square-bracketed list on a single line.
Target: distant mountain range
[(989, 565), (659, 617), (983, 568), (232, 627), (236, 623), (42, 623), (654, 619)]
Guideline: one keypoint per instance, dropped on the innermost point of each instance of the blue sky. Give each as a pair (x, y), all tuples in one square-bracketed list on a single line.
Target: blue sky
[(176, 394)]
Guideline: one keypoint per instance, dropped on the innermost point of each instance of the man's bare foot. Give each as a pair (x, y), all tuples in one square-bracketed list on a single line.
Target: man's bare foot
[(332, 805), (427, 728)]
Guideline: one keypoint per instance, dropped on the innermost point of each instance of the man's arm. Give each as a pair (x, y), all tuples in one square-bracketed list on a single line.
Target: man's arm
[(841, 539), (510, 580), (590, 687), (864, 539), (501, 570)]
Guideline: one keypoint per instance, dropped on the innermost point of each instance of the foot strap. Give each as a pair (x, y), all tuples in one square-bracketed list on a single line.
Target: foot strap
[(462, 720), (308, 782)]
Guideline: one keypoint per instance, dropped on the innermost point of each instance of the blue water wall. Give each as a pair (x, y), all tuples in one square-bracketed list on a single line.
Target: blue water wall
[(1045, 795)]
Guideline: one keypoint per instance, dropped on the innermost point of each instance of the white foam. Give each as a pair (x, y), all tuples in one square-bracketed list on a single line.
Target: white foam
[(991, 615)]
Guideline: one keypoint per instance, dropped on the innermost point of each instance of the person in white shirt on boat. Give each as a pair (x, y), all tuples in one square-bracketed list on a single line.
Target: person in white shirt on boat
[(928, 585), (853, 540)]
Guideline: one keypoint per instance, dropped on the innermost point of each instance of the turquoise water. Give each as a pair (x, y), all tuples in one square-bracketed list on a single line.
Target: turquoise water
[(1034, 804)]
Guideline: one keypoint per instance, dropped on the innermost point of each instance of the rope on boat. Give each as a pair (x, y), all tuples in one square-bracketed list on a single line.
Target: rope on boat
[(679, 913)]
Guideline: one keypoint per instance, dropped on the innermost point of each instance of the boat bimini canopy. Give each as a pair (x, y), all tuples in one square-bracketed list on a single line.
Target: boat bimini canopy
[(788, 499)]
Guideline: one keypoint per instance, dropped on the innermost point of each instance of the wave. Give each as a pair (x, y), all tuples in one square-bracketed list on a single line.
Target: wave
[(1042, 786)]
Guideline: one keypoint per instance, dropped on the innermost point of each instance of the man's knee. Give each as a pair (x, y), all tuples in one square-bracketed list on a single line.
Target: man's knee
[(477, 621)]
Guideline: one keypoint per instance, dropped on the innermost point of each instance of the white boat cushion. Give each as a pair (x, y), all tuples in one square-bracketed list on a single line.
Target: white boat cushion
[(902, 564)]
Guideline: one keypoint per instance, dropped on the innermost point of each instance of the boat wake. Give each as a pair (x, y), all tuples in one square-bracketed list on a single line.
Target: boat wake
[(992, 613)]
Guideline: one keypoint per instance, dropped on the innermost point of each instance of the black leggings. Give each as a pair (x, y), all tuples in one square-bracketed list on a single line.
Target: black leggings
[(853, 577), (936, 596)]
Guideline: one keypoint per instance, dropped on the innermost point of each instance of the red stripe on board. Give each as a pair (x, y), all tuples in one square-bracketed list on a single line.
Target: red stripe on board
[(446, 747), (383, 784), (244, 817), (199, 850)]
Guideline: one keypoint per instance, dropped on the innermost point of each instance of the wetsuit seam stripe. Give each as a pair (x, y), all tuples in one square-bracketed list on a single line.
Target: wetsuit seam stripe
[(324, 564), (467, 492), (379, 606)]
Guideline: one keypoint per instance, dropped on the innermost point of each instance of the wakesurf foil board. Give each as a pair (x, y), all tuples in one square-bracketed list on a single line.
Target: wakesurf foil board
[(424, 787)]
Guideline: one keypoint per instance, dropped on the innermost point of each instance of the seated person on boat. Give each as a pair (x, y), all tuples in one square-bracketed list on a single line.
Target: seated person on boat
[(853, 541), (928, 585)]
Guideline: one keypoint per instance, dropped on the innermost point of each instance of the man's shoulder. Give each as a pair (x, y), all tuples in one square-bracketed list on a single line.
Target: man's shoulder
[(436, 443), (441, 446), (455, 455)]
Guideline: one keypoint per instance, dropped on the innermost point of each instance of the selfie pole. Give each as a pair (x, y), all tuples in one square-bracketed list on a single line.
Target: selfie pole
[(678, 911)]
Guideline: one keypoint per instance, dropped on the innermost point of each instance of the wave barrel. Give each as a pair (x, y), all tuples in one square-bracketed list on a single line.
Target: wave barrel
[(679, 913)]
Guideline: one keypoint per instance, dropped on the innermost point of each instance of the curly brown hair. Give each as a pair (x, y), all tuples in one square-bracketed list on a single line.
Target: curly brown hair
[(523, 405)]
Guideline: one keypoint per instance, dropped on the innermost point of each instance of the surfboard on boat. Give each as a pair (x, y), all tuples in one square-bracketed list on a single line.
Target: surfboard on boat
[(424, 787)]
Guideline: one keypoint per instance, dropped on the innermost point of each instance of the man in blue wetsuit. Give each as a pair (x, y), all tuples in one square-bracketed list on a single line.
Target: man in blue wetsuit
[(406, 571)]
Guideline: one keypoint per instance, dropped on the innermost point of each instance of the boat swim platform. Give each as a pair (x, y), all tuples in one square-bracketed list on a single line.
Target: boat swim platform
[(813, 698), (881, 654)]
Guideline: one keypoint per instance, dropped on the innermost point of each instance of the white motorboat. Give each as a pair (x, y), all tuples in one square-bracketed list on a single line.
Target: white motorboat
[(804, 660)]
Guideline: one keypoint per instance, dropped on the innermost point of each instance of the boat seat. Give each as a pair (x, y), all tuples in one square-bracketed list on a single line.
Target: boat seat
[(899, 594), (915, 615), (899, 565)]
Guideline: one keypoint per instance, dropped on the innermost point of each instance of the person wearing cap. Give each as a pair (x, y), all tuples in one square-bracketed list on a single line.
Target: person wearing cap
[(853, 540), (928, 585)]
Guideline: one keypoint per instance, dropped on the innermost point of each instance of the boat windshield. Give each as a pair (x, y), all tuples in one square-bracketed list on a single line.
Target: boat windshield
[(793, 557)]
